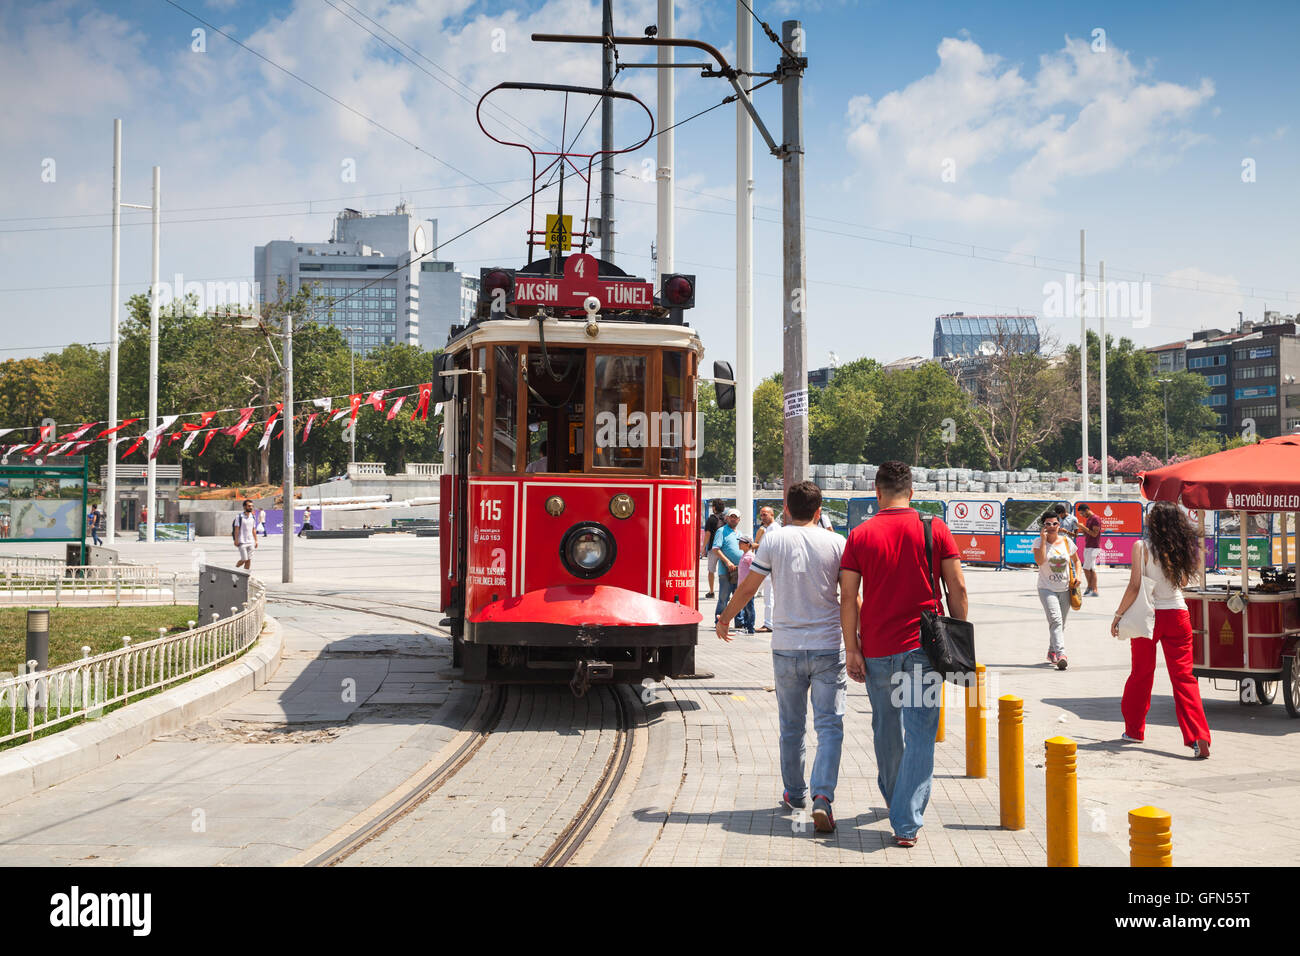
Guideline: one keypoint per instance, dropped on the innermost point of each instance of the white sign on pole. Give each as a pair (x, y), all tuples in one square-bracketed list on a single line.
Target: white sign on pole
[(975, 517)]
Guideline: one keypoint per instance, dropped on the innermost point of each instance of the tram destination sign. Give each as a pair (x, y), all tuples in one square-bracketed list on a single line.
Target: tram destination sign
[(580, 280)]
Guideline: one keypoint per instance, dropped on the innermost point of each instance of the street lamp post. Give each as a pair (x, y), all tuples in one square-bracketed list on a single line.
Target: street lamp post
[(1164, 382), (352, 361)]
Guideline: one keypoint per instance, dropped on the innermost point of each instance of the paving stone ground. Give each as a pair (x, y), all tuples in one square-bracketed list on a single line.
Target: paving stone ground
[(280, 769)]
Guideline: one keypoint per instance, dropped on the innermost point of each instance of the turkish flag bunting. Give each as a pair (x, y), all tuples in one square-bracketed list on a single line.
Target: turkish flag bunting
[(32, 450), (270, 424), (376, 399), (109, 431), (243, 426), (395, 407), (306, 429), (355, 401), (153, 434), (207, 440), (81, 446), (190, 440), (324, 404), (138, 442), (203, 423), (78, 432), (422, 409), (339, 414)]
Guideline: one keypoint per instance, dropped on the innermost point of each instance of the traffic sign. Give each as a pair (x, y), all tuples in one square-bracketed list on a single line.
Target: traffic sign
[(975, 517), (559, 232)]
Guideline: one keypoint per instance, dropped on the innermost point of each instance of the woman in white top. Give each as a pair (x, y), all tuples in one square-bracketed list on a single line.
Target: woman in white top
[(1055, 553), (1169, 557)]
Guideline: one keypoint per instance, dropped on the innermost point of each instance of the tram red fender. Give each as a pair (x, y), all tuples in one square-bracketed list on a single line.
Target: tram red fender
[(598, 604)]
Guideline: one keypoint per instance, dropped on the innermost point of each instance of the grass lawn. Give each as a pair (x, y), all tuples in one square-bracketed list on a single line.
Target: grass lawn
[(102, 628)]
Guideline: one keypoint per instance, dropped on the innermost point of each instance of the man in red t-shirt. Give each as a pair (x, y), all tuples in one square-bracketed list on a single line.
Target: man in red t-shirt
[(885, 558)]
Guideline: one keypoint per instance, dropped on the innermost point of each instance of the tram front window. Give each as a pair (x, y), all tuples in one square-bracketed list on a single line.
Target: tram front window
[(618, 412), (556, 391), (504, 417)]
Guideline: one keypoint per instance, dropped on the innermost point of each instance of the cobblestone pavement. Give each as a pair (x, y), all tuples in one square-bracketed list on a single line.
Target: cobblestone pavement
[(511, 802), (720, 735)]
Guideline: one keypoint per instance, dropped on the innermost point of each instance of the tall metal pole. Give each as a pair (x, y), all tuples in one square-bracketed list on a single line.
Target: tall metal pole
[(664, 117), (151, 469), (607, 138), (795, 335), (286, 524), (744, 275), (352, 364), (1084, 480), (110, 475), (1101, 311)]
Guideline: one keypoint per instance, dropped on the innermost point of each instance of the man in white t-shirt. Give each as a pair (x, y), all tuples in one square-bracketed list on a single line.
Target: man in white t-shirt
[(244, 531), (807, 649)]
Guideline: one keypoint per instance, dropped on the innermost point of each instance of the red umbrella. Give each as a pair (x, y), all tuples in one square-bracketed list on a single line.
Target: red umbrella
[(1264, 476)]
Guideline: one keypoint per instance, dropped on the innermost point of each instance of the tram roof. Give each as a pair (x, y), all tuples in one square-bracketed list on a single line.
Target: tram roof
[(572, 331)]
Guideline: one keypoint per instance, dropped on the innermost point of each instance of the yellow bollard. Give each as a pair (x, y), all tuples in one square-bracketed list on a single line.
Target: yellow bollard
[(943, 706), (1062, 803), (1150, 837), (1011, 761), (976, 735)]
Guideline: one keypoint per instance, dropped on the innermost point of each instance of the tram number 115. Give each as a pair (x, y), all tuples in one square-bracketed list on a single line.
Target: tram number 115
[(489, 509), (682, 513)]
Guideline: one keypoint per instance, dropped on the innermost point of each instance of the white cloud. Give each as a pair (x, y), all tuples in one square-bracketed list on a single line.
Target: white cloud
[(978, 138)]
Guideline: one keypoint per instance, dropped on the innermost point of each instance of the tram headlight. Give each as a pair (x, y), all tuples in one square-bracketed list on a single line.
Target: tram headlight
[(621, 506), (588, 550)]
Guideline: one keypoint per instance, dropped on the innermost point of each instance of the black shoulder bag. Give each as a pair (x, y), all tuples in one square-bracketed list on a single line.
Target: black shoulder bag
[(948, 642)]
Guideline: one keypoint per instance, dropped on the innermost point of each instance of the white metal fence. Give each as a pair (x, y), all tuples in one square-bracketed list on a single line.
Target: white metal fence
[(27, 562), (64, 584), (41, 700)]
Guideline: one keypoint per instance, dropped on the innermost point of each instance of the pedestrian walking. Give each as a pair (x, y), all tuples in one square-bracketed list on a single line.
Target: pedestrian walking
[(711, 526), (807, 654), (885, 565), (1057, 558), (726, 545), (95, 519), (745, 619), (306, 521), (1091, 528), (244, 531), (1169, 556), (1069, 523), (766, 522), (261, 521)]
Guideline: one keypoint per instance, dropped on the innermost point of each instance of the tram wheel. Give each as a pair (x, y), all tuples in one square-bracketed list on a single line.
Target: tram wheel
[(1291, 684)]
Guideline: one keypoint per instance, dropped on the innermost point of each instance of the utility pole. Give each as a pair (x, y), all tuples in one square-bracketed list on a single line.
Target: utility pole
[(1084, 480), (110, 471), (1101, 311), (607, 136), (1164, 387), (286, 524), (744, 275), (664, 119), (352, 365), (794, 367), (151, 469)]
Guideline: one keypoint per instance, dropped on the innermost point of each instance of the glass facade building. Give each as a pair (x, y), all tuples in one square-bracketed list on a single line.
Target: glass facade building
[(966, 336)]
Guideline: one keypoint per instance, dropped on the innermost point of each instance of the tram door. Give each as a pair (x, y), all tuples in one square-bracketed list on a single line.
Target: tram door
[(465, 387)]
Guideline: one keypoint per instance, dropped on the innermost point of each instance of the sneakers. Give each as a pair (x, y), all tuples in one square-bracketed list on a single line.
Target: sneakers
[(792, 804), (709, 595), (1095, 594), (905, 842), (1200, 750), (1062, 662), (823, 819), (1052, 657), (1131, 740)]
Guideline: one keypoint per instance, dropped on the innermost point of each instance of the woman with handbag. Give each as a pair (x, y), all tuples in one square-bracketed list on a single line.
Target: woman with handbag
[(1058, 584), (1165, 560)]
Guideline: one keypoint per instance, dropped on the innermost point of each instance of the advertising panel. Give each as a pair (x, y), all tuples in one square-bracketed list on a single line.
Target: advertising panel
[(979, 548), (1258, 552), (1019, 548), (976, 517), (1117, 517)]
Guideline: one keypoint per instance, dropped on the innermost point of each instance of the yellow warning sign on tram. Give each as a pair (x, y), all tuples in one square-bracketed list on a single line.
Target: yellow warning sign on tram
[(559, 232)]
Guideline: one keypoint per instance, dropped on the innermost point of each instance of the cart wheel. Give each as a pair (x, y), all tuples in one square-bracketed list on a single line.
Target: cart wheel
[(1251, 690), (1291, 684)]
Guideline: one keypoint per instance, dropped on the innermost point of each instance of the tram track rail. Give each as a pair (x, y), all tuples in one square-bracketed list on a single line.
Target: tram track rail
[(484, 721)]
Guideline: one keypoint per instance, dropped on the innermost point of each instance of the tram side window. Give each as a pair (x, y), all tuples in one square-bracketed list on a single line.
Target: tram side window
[(480, 409), (619, 412), (676, 425), (505, 415), (556, 389)]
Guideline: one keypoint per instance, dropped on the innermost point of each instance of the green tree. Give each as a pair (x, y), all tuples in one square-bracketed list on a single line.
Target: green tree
[(718, 440), (841, 415), (920, 407)]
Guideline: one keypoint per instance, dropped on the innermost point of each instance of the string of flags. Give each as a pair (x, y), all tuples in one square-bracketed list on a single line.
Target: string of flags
[(76, 439)]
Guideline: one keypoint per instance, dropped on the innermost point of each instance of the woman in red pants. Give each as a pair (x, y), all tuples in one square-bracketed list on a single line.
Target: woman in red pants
[(1169, 557)]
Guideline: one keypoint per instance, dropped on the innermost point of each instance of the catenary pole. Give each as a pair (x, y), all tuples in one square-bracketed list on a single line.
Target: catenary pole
[(744, 275), (794, 307), (607, 137), (151, 468), (665, 109), (110, 469), (1084, 481), (1101, 311), (286, 523)]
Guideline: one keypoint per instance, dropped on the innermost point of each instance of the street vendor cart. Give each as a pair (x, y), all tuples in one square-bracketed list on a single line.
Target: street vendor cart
[(1244, 633)]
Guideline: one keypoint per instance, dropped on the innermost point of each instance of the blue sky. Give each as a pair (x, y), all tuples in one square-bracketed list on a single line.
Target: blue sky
[(929, 127)]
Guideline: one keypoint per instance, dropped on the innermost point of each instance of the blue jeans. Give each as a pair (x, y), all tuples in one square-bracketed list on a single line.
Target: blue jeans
[(822, 673), (904, 691), (725, 590), (745, 619)]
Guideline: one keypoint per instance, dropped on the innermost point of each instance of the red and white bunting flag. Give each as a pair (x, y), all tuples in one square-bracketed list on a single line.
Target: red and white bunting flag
[(138, 442), (422, 409), (395, 407), (270, 424), (76, 433), (117, 428), (324, 404), (211, 434), (306, 429), (339, 414), (153, 434), (194, 433), (376, 399), (81, 446), (243, 426), (355, 402), (201, 424), (33, 449), (5, 431)]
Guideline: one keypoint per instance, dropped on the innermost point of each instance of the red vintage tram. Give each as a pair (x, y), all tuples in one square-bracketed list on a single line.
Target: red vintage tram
[(568, 506)]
